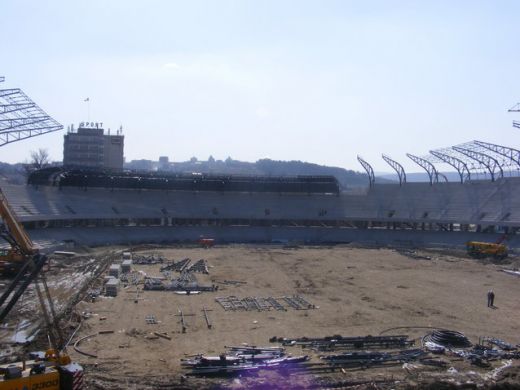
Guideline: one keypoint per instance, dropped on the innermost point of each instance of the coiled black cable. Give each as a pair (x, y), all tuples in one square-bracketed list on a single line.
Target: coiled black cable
[(448, 338)]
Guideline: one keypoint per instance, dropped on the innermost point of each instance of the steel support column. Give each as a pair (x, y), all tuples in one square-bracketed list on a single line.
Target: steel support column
[(398, 168), (369, 170), (427, 166)]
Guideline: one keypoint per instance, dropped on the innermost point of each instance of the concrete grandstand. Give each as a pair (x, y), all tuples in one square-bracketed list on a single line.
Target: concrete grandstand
[(413, 214)]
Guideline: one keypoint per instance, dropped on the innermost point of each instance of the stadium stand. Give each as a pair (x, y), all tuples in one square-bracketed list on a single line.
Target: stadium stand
[(183, 182), (414, 210)]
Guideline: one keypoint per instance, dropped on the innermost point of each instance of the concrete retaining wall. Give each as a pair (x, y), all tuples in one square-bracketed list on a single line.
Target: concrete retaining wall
[(238, 234)]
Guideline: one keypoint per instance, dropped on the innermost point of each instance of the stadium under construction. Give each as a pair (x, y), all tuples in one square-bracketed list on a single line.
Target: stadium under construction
[(60, 205), (284, 261)]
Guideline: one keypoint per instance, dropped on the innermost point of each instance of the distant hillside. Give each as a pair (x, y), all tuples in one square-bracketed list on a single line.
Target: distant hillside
[(13, 173), (346, 178)]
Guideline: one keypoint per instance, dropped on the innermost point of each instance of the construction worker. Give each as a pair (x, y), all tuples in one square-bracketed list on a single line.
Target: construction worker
[(490, 298)]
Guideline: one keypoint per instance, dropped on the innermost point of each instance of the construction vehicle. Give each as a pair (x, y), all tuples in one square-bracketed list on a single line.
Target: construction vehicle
[(11, 260), (206, 242), (479, 250), (52, 369)]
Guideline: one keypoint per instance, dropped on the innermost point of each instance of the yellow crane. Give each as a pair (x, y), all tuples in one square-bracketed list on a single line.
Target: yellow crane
[(54, 370), (13, 232)]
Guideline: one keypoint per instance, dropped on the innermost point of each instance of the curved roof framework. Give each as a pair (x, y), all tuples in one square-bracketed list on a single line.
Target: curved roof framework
[(21, 118), (488, 162), (515, 108), (448, 156), (370, 171), (396, 167), (427, 166), (443, 176), (507, 156)]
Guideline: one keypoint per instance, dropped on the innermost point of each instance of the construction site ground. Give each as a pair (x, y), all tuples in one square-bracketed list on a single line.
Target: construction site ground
[(356, 291)]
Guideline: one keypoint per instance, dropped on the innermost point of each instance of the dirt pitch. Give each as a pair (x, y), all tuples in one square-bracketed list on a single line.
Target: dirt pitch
[(357, 292)]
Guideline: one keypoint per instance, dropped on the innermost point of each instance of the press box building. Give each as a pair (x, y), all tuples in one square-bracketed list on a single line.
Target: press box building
[(90, 147)]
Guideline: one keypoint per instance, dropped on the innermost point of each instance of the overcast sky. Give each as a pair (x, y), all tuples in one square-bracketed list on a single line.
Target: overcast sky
[(318, 81)]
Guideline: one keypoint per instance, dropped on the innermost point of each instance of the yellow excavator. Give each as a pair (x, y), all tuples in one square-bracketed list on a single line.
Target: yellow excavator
[(52, 369), (497, 250)]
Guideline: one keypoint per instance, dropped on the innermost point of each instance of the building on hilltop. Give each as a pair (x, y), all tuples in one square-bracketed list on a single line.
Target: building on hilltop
[(164, 163), (90, 147)]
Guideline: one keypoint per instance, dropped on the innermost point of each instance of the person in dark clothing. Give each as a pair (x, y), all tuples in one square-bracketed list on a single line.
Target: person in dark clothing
[(491, 298)]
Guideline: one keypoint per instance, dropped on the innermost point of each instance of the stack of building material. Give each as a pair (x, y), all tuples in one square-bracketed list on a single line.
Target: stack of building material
[(148, 259), (107, 278), (200, 266), (114, 270), (111, 288), (153, 284), (126, 266)]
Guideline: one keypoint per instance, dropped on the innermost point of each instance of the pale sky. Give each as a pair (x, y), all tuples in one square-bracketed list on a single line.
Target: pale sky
[(318, 81)]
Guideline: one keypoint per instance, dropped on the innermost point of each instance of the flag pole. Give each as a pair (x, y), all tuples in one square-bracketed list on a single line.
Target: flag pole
[(87, 100)]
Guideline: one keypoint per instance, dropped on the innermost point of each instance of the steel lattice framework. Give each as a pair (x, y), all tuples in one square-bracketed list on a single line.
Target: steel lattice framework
[(449, 156), (491, 164), (370, 171), (21, 118), (515, 108), (507, 156), (398, 168), (470, 157), (427, 166)]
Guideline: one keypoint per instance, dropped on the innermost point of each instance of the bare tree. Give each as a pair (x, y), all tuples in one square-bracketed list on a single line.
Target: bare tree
[(39, 158)]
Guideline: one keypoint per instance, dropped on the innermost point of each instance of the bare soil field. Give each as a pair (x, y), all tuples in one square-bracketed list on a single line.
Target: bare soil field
[(357, 292)]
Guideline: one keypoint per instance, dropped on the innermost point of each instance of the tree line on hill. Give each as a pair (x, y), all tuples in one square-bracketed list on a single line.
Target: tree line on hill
[(348, 179)]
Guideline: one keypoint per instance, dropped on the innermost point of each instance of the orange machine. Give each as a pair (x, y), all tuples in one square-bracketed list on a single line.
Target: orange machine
[(206, 242)]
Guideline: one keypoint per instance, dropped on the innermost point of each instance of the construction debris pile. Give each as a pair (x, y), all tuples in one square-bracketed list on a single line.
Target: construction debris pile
[(132, 277), (176, 266), (456, 344), (374, 358), (450, 343), (187, 281), (148, 259), (200, 266), (233, 303), (337, 342), (241, 359)]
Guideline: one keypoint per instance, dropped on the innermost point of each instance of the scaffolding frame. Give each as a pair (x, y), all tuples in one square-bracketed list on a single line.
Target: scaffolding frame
[(21, 118)]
